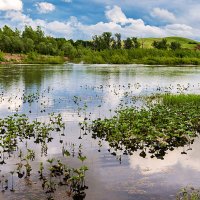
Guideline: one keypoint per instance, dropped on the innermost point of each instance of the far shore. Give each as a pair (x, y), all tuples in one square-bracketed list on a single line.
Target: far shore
[(22, 59)]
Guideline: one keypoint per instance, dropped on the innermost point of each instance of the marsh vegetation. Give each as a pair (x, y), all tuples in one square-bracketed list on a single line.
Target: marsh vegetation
[(60, 137)]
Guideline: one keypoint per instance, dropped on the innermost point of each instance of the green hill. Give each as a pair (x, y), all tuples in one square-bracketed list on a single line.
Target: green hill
[(185, 42)]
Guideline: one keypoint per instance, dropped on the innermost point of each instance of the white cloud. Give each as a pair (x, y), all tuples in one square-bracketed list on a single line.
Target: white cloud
[(117, 16), (117, 23), (45, 7), (181, 30), (163, 14), (11, 5), (17, 16)]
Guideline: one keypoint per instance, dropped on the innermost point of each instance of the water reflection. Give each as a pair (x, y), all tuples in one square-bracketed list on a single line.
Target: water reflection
[(151, 166), (103, 88)]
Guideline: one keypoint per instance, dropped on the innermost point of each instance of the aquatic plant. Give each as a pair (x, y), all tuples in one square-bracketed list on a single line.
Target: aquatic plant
[(73, 179), (188, 193), (153, 129)]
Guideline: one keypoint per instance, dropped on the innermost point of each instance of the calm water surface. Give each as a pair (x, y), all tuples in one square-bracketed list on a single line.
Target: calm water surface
[(100, 88)]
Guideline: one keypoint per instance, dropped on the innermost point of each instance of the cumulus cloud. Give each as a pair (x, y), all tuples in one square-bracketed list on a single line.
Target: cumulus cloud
[(45, 7), (116, 15), (117, 22), (11, 5), (163, 14)]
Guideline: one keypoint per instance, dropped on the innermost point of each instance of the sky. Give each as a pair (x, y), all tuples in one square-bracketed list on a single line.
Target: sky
[(82, 19)]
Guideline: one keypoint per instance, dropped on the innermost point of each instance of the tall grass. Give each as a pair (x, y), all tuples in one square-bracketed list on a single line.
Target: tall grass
[(181, 99), (34, 58), (139, 56), (1, 56)]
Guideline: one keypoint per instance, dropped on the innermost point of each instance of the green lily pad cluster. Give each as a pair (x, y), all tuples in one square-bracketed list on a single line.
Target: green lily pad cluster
[(173, 121)]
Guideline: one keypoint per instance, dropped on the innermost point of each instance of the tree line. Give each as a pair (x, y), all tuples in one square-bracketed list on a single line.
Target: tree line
[(30, 40)]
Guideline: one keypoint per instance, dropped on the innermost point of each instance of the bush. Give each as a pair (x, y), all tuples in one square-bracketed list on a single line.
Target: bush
[(1, 56), (34, 58)]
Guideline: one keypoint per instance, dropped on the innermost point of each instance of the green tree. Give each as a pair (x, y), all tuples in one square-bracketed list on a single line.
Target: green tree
[(106, 40), (36, 35), (128, 43), (118, 40), (29, 33), (6, 44), (17, 44), (160, 44), (96, 43), (7, 31), (39, 34), (42, 48), (175, 46), (68, 49), (28, 45), (136, 43)]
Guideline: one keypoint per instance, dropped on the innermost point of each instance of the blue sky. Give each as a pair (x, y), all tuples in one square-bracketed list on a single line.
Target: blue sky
[(81, 19)]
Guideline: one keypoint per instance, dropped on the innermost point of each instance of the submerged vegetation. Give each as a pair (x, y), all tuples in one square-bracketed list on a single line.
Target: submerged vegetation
[(47, 149), (16, 130)]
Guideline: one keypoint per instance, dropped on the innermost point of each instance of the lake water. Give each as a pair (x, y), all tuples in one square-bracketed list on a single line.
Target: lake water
[(99, 89)]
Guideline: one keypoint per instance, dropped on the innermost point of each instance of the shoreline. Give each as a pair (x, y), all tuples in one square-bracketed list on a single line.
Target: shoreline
[(23, 59), (103, 65)]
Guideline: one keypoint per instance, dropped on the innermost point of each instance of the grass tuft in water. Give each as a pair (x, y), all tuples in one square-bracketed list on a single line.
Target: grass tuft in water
[(177, 100)]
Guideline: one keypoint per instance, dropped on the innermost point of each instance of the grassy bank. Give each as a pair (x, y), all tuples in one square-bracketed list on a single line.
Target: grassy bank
[(31, 58), (110, 56), (139, 56)]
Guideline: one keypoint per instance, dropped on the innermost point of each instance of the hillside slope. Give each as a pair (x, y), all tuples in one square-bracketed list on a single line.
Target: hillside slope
[(185, 42)]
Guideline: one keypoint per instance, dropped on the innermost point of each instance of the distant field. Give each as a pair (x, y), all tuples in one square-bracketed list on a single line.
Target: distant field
[(186, 43)]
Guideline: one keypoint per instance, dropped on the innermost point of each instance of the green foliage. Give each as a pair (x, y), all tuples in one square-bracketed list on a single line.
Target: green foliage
[(155, 128), (118, 41), (1, 56), (28, 45), (31, 40), (35, 58), (104, 48), (139, 56), (185, 42), (103, 41), (181, 99), (160, 44), (68, 49), (175, 45), (128, 43), (188, 194)]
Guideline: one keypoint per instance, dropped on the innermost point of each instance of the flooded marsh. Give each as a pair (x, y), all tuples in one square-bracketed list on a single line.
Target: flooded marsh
[(98, 131)]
